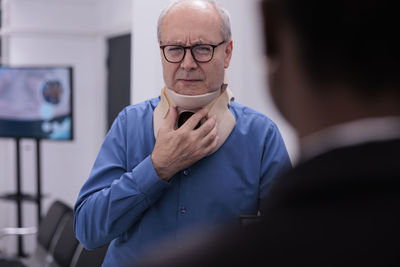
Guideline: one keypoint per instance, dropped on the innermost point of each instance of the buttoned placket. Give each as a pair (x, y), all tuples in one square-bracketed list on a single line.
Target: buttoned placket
[(182, 208)]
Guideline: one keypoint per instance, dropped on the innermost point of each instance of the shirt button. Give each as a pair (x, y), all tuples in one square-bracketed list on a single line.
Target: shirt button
[(186, 172), (183, 210)]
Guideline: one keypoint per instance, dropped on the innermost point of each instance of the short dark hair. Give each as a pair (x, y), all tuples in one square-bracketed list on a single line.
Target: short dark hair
[(348, 41)]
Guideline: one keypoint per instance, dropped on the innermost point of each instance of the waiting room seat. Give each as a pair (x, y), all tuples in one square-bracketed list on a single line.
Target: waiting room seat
[(57, 245), (47, 230), (86, 258)]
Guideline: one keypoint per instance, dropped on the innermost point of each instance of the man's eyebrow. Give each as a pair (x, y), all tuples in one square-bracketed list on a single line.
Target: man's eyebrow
[(194, 44), (198, 42), (180, 44), (172, 43)]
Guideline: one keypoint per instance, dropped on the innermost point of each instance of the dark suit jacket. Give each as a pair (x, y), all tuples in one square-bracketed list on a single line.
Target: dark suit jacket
[(341, 208)]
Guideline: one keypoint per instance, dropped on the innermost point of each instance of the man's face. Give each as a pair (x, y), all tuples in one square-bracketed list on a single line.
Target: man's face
[(188, 24)]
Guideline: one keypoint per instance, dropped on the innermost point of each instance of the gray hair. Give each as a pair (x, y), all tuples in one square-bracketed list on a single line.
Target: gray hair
[(223, 13)]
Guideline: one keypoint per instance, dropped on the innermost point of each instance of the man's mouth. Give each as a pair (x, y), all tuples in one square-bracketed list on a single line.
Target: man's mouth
[(189, 80)]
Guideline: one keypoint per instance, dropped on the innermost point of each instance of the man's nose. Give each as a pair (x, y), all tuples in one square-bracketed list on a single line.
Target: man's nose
[(188, 61)]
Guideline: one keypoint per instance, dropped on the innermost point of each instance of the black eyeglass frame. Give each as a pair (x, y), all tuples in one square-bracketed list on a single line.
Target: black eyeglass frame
[(191, 51)]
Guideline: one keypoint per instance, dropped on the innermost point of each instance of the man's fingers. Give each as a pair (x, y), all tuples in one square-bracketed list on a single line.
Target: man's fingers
[(210, 137), (210, 142), (194, 120), (212, 146), (171, 118), (208, 125)]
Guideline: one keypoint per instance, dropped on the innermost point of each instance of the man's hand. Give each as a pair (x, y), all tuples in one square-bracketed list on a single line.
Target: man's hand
[(178, 149)]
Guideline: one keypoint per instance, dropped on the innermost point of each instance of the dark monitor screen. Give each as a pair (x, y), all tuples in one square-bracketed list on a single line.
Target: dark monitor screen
[(36, 102)]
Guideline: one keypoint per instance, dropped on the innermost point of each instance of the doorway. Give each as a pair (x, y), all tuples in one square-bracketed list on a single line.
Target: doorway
[(119, 76)]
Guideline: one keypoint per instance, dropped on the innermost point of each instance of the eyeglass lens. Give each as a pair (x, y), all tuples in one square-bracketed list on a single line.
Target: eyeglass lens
[(201, 53)]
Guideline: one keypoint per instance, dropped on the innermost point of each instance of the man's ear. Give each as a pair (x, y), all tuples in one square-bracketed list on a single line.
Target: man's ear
[(228, 53), (270, 19)]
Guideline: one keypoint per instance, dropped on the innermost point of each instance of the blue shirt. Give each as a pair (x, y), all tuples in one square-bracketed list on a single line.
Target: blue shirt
[(124, 201)]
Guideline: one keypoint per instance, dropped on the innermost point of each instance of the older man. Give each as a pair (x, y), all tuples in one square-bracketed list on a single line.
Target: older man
[(161, 169)]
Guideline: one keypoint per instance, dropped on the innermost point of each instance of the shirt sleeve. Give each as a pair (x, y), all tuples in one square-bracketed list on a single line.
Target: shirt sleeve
[(114, 198), (275, 161)]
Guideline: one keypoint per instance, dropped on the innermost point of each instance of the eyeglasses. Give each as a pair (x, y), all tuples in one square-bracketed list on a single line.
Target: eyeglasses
[(200, 52)]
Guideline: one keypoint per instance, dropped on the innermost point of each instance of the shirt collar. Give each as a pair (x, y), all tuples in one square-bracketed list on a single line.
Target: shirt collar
[(348, 134)]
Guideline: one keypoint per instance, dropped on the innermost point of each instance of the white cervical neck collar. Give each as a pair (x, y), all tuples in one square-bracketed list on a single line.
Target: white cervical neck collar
[(216, 102)]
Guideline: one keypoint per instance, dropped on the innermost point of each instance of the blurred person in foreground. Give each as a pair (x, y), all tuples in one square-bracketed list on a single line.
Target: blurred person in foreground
[(334, 74), (161, 171)]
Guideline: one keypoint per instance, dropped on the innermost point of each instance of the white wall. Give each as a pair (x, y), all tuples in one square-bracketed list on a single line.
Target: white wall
[(70, 32), (246, 74)]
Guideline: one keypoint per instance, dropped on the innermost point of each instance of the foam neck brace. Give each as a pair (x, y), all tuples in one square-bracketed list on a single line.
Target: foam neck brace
[(190, 102), (216, 102)]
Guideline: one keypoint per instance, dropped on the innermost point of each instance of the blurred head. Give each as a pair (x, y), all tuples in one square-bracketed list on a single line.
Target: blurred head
[(183, 28), (316, 47)]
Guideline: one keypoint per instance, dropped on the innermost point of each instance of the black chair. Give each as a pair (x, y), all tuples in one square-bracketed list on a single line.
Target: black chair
[(67, 252), (47, 229), (57, 245), (85, 258), (63, 245)]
